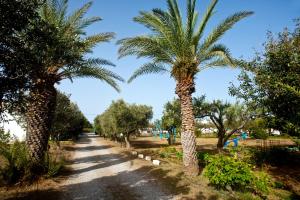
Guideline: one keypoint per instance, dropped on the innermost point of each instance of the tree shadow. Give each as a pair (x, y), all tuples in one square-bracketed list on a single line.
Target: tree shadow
[(87, 148), (129, 185)]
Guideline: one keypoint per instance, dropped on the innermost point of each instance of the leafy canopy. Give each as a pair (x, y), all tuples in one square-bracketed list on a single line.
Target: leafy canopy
[(178, 45), (272, 82), (66, 56), (122, 117)]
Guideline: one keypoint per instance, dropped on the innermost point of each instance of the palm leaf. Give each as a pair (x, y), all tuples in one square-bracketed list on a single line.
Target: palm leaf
[(149, 68), (95, 72), (219, 31)]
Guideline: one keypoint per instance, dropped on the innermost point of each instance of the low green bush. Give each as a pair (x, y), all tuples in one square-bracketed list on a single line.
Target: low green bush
[(53, 165), (226, 172), (223, 171), (16, 162), (259, 133), (170, 152), (202, 158)]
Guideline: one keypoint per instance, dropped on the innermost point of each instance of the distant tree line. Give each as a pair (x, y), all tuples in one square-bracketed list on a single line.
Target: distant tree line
[(68, 120), (124, 119)]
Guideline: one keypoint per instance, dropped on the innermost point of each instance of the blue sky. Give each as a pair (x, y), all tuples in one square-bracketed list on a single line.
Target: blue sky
[(94, 96)]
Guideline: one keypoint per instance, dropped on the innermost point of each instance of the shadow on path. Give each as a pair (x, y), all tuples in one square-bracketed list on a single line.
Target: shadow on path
[(116, 187)]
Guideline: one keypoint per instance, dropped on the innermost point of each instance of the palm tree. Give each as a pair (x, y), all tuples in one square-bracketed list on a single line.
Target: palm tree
[(177, 46), (64, 56)]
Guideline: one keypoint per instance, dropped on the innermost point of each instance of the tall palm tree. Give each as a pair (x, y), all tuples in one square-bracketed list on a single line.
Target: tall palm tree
[(177, 46), (63, 56)]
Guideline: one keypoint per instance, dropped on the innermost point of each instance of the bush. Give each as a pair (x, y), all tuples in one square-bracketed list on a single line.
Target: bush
[(16, 162), (259, 133), (53, 165), (276, 156), (261, 183), (170, 152), (202, 157), (223, 171)]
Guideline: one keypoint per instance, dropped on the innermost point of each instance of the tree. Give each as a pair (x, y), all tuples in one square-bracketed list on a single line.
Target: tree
[(272, 81), (124, 118), (61, 53), (227, 118), (171, 118), (177, 46), (17, 19), (68, 121)]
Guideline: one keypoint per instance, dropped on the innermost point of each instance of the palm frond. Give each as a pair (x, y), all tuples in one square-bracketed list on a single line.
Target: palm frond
[(74, 19), (90, 41), (149, 68), (219, 62), (87, 22), (220, 30), (216, 51), (191, 18), (99, 73), (144, 46), (98, 61), (175, 13), (203, 23)]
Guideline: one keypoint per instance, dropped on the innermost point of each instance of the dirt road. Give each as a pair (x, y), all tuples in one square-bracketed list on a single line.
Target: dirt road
[(101, 172)]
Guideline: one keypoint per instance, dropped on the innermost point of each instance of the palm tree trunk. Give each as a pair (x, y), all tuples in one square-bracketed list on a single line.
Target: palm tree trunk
[(184, 90), (39, 118)]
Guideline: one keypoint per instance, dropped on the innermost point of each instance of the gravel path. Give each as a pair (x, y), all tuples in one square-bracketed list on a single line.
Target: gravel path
[(100, 171)]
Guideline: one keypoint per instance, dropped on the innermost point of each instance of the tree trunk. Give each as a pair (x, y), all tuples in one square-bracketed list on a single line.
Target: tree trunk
[(39, 118), (127, 141), (184, 90), (221, 142), (171, 138)]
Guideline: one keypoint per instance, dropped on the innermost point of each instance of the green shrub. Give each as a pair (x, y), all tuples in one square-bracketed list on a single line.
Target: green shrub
[(53, 165), (179, 155), (261, 183), (223, 171), (259, 133), (202, 157), (170, 152), (16, 162), (278, 185)]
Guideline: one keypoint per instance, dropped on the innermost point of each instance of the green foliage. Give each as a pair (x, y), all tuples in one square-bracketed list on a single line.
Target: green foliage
[(258, 133), (64, 56), (172, 115), (4, 137), (171, 152), (271, 82), (278, 184), (17, 20), (15, 162), (122, 117), (53, 165), (176, 45), (225, 171), (261, 183), (203, 158), (68, 120), (227, 118)]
